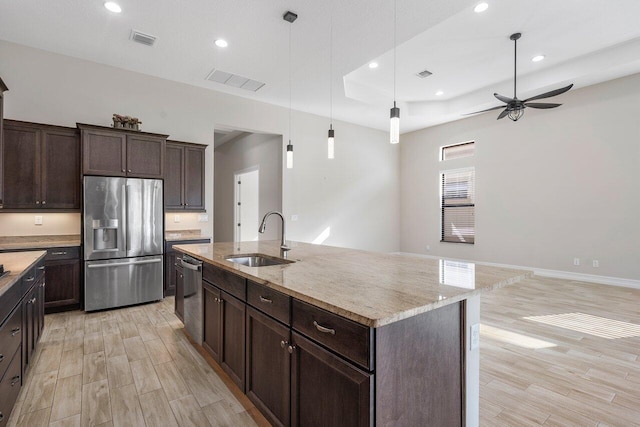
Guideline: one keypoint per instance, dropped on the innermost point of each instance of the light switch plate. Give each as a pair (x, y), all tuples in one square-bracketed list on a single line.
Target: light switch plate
[(294, 217), (475, 336), (203, 218), (176, 218), (38, 220)]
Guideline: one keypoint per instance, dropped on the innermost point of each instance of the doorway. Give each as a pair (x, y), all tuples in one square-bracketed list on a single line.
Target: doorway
[(247, 204)]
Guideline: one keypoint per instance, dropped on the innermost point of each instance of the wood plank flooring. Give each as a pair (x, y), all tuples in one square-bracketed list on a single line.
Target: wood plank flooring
[(135, 367)]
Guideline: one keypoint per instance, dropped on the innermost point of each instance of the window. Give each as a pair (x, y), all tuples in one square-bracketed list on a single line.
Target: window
[(457, 151), (458, 193)]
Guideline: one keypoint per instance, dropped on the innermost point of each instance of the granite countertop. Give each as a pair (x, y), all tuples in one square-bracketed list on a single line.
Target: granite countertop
[(38, 242), (17, 263), (175, 235), (373, 289)]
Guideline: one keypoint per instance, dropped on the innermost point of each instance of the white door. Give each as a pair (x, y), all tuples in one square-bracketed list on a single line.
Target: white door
[(247, 216)]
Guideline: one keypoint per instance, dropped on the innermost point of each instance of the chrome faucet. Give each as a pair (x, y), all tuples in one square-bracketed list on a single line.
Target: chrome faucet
[(263, 226)]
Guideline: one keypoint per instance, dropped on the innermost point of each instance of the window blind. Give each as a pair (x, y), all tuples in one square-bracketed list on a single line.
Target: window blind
[(457, 151), (458, 206)]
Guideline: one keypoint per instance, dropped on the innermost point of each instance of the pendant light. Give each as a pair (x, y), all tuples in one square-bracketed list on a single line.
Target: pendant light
[(331, 135), (290, 17), (394, 127)]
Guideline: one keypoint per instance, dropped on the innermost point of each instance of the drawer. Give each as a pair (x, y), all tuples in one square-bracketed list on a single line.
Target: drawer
[(274, 303), (30, 278), (228, 282), (10, 387), (54, 254), (10, 338), (341, 335)]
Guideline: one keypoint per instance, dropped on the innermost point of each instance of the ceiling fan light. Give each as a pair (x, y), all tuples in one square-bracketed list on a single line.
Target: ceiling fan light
[(481, 7), (516, 113), (537, 58)]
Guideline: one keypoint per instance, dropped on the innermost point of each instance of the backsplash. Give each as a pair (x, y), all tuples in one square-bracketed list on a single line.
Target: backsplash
[(23, 224)]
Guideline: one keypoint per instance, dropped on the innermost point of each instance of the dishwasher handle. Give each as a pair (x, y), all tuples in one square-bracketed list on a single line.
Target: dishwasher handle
[(191, 266)]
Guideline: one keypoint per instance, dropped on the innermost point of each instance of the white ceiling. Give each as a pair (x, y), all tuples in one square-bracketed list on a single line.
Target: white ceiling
[(585, 41)]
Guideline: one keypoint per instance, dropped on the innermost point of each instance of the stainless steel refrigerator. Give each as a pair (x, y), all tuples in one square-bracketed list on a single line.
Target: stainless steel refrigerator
[(123, 241)]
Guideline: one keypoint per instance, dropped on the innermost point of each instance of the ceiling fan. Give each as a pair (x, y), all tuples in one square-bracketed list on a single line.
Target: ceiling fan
[(515, 107)]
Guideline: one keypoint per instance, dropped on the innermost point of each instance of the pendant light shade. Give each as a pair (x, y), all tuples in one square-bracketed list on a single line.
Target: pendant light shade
[(330, 152), (394, 129), (289, 156)]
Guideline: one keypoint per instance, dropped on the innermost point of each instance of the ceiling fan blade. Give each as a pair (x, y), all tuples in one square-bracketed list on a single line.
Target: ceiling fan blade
[(541, 105), (503, 114), (503, 98), (484, 111), (550, 93)]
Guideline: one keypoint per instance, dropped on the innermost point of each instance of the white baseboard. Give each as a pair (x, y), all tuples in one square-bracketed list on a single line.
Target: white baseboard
[(558, 274)]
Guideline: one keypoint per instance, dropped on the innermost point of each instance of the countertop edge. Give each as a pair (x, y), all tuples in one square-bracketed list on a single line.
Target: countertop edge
[(15, 277)]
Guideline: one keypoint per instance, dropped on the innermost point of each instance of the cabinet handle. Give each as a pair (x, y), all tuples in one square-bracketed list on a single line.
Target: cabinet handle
[(30, 279), (14, 332), (283, 343), (1, 357), (1, 416), (15, 380), (37, 202), (32, 300), (291, 349), (264, 299), (123, 170), (57, 253), (186, 204), (323, 329), (129, 170), (42, 267), (44, 202)]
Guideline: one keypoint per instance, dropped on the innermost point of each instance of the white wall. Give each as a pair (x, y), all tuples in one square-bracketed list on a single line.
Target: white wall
[(23, 224), (356, 194), (251, 151), (556, 185)]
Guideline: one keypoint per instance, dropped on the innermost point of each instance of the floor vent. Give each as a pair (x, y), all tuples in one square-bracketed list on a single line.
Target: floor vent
[(424, 73), (234, 80), (142, 38)]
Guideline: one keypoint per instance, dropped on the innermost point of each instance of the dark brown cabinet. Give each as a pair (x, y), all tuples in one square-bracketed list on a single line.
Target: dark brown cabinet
[(184, 176), (115, 152), (3, 89), (212, 330), (326, 390), (32, 315), (171, 257), (41, 167), (62, 277), (179, 300), (232, 356), (268, 366)]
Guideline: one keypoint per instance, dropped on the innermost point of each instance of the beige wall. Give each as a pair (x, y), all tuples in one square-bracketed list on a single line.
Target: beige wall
[(356, 194), (23, 224), (255, 150), (556, 185)]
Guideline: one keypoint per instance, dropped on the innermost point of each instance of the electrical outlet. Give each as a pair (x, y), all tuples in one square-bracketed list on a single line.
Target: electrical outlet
[(576, 261), (596, 263), (475, 336), (427, 248), (203, 218), (38, 220), (294, 217), (176, 218)]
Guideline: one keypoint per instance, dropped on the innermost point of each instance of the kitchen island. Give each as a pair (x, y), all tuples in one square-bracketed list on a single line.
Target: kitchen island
[(347, 337)]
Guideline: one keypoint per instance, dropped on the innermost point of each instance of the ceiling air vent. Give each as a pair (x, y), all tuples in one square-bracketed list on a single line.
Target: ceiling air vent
[(234, 80), (142, 38), (424, 73)]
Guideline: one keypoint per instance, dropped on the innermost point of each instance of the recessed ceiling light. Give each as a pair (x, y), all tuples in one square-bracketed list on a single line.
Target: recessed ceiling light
[(481, 7), (439, 93), (373, 65), (221, 43), (537, 58), (112, 6)]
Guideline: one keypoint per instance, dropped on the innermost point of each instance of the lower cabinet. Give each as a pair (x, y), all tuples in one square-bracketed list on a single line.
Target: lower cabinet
[(63, 279), (268, 367), (212, 320), (32, 320), (232, 353), (171, 257), (179, 289)]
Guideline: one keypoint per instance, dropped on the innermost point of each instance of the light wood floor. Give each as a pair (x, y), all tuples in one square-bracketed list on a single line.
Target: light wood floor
[(135, 367)]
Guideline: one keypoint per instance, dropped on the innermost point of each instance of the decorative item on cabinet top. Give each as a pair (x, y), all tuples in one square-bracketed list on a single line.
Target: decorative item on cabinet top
[(126, 122)]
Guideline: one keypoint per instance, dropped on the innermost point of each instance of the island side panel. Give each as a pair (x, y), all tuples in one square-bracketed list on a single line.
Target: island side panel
[(472, 363), (419, 370)]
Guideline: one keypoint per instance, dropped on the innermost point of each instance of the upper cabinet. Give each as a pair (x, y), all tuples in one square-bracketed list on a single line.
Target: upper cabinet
[(116, 152), (184, 187), (3, 89), (41, 166)]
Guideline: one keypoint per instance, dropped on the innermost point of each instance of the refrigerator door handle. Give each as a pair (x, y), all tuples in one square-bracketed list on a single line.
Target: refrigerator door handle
[(118, 264), (125, 217)]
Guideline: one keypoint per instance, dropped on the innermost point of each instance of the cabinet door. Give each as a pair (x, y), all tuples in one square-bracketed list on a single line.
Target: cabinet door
[(268, 366), (232, 353), (212, 332), (174, 177), (326, 390), (170, 260), (179, 305), (1, 143), (104, 153), (21, 167), (145, 156), (39, 308), (60, 169), (194, 178), (62, 288), (29, 323)]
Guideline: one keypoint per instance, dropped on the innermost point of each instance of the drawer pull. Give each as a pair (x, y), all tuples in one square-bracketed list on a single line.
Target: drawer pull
[(41, 267), (323, 329), (14, 332), (30, 279), (283, 343), (59, 253), (267, 300), (291, 349), (15, 380)]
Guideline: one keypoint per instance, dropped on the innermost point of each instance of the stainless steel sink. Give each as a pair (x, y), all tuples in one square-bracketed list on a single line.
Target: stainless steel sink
[(256, 260)]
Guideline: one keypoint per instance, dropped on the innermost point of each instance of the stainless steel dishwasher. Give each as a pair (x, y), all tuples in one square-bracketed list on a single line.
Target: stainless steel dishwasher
[(192, 271)]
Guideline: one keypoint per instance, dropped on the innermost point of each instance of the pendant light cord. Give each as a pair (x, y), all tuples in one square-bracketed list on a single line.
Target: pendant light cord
[(515, 65), (290, 83), (395, 27), (331, 66)]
